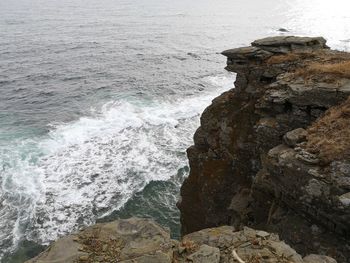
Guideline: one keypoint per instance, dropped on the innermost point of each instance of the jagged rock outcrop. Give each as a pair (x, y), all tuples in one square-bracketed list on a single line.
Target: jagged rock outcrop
[(143, 241), (257, 159)]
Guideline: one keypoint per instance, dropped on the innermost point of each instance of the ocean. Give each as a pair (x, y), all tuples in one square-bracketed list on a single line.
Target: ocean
[(99, 100)]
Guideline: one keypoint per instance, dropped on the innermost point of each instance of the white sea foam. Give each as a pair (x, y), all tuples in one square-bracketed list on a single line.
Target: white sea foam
[(86, 169)]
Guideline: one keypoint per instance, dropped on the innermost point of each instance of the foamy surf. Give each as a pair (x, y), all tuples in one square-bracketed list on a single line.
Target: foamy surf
[(87, 169)]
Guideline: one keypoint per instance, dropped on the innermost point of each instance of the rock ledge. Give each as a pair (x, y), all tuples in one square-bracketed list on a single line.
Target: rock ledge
[(142, 241)]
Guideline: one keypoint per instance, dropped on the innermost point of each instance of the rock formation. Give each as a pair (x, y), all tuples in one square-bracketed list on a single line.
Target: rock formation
[(273, 153), (143, 241)]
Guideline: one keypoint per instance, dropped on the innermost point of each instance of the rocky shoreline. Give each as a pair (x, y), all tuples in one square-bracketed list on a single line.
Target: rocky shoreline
[(270, 162)]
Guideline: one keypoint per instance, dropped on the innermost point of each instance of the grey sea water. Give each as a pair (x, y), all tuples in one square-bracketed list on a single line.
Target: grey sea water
[(99, 100)]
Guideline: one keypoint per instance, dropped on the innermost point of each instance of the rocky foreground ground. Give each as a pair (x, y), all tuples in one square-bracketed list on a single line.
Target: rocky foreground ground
[(143, 241), (272, 154)]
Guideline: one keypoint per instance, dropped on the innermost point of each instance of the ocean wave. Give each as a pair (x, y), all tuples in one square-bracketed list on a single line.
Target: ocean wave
[(87, 169)]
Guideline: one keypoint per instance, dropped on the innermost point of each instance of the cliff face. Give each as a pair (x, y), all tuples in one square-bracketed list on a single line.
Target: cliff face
[(267, 156)]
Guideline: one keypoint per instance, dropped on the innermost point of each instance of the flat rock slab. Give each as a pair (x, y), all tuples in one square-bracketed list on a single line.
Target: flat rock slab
[(285, 44), (290, 40), (244, 53)]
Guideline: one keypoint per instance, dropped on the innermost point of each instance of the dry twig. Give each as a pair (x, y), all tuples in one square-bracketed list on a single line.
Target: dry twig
[(235, 255)]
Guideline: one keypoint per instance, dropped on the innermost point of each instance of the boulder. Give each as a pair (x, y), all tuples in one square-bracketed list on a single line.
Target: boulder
[(294, 137)]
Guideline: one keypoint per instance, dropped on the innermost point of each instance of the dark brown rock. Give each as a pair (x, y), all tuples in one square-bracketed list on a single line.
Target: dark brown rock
[(242, 170)]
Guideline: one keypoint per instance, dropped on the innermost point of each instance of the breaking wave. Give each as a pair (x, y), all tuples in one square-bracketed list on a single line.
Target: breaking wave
[(87, 169)]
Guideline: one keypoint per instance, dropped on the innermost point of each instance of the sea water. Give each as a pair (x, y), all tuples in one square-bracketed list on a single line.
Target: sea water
[(99, 100)]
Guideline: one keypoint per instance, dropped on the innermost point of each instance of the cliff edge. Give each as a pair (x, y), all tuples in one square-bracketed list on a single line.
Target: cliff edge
[(273, 153)]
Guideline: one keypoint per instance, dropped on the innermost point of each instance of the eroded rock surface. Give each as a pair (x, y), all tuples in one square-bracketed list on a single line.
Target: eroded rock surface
[(143, 241), (131, 240), (251, 163)]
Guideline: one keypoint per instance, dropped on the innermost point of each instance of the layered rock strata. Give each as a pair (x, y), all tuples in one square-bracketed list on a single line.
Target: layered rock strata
[(257, 158), (143, 241)]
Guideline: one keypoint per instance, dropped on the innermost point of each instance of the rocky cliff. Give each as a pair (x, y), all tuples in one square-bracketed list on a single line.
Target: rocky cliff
[(143, 241), (273, 153)]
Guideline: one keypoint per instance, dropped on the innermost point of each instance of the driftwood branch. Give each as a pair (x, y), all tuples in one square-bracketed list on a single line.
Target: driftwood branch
[(235, 255)]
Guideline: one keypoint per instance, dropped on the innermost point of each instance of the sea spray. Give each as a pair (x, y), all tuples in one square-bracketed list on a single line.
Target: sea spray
[(87, 169)]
